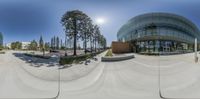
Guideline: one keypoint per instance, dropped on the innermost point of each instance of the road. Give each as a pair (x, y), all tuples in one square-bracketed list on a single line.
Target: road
[(144, 77)]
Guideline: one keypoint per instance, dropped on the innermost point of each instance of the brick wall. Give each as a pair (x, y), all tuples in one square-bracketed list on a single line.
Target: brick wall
[(120, 47)]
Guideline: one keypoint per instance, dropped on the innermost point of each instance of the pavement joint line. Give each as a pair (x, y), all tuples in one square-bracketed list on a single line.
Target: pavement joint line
[(96, 78), (162, 66)]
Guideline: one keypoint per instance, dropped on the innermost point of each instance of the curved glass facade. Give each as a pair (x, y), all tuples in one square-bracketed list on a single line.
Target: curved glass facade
[(159, 33), (1, 39)]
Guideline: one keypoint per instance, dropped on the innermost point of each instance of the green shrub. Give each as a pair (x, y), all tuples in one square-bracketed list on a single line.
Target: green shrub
[(1, 47), (76, 59), (109, 53), (37, 56), (2, 52), (32, 53)]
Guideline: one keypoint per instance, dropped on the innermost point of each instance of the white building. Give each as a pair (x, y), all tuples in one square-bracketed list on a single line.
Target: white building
[(25, 45), (8, 45)]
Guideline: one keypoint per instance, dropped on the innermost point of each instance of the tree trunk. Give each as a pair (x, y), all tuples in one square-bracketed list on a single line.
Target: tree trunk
[(75, 34), (98, 44), (65, 46), (85, 44), (95, 45), (91, 44), (43, 51)]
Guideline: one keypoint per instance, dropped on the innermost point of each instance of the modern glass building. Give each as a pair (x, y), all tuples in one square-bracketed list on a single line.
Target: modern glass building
[(1, 39), (159, 33)]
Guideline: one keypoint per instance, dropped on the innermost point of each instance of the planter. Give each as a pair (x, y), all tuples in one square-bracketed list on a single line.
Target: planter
[(2, 52), (116, 58)]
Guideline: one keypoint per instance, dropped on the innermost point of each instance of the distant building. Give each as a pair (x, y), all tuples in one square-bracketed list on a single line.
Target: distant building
[(25, 45), (1, 39), (8, 45)]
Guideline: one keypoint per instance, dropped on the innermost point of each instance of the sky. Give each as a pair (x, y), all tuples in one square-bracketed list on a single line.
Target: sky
[(25, 20)]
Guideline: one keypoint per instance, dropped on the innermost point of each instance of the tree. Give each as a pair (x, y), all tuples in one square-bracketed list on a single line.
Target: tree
[(57, 43), (96, 36), (1, 47), (85, 31), (1, 40), (41, 43), (71, 21), (13, 46), (91, 34), (102, 42), (61, 43), (53, 43), (16, 45), (47, 46), (33, 45)]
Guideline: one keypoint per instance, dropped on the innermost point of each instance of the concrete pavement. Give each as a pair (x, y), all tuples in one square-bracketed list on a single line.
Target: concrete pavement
[(145, 77), (15, 82), (174, 76)]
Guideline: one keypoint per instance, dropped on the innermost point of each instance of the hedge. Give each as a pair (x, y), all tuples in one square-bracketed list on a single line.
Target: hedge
[(2, 52), (37, 56), (76, 59)]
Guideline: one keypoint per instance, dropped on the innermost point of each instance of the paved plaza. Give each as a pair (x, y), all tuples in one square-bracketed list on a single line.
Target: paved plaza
[(143, 77)]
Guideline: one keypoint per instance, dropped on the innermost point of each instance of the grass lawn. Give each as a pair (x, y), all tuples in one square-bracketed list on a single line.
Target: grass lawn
[(109, 53)]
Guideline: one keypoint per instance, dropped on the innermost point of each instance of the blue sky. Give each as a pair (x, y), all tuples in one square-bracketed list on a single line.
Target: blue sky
[(25, 20)]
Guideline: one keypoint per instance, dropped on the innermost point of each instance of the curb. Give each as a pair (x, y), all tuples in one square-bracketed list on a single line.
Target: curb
[(120, 58)]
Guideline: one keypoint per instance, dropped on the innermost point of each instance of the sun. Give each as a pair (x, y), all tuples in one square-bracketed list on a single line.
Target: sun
[(100, 20)]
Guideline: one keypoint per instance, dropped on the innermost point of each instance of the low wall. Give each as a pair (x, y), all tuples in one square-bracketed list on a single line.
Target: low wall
[(1, 52), (121, 47), (116, 58)]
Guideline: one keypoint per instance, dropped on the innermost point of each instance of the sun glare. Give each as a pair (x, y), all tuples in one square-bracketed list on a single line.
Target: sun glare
[(100, 20)]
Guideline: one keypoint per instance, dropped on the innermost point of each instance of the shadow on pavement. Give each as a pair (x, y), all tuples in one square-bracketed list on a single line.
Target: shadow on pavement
[(38, 62)]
